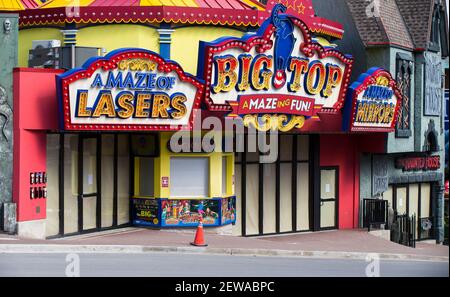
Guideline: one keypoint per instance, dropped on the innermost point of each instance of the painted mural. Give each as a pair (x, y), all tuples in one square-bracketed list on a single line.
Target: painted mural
[(179, 213)]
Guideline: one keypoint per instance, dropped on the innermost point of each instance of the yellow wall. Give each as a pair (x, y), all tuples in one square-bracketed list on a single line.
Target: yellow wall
[(184, 48), (26, 37), (116, 36)]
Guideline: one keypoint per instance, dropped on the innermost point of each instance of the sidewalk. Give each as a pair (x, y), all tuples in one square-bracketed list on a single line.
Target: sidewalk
[(348, 244)]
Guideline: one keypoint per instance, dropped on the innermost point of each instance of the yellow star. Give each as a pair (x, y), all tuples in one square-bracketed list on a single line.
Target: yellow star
[(301, 8)]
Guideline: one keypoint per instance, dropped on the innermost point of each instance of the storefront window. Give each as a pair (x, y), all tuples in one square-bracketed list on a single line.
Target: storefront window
[(189, 177), (146, 180), (90, 166)]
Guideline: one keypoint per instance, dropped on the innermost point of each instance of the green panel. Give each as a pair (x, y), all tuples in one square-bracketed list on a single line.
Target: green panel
[(8, 60)]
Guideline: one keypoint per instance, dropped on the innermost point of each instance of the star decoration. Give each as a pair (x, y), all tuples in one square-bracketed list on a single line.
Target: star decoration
[(301, 8)]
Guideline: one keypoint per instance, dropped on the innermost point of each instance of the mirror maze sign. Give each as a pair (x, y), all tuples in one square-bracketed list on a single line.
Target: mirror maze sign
[(129, 89), (373, 103), (275, 78)]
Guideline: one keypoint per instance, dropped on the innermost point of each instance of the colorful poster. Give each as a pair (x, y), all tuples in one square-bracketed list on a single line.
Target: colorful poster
[(228, 210), (181, 213), (145, 212)]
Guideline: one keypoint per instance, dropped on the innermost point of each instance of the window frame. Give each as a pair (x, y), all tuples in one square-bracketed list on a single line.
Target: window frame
[(404, 66)]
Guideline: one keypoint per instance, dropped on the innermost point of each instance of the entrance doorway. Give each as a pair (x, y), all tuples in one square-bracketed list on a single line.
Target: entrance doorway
[(89, 183), (274, 198), (329, 197), (89, 214)]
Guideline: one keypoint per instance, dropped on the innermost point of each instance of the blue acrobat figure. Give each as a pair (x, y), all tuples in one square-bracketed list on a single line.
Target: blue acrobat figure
[(284, 44)]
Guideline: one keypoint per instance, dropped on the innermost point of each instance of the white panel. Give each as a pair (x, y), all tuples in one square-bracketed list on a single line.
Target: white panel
[(388, 196), (425, 200), (252, 208), (89, 166), (286, 198), (89, 212), (107, 179), (414, 202), (401, 201), (70, 183), (413, 199), (237, 228), (123, 181), (302, 197), (328, 184), (189, 177), (327, 214), (52, 220), (269, 186)]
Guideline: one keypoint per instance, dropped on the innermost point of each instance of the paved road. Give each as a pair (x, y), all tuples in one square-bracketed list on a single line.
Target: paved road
[(161, 264)]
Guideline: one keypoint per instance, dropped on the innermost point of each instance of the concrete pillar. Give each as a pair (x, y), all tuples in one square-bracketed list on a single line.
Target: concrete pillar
[(165, 39), (8, 60)]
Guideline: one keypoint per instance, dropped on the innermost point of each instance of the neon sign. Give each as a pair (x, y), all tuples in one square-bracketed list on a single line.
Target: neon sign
[(279, 71), (418, 163), (129, 89), (373, 102)]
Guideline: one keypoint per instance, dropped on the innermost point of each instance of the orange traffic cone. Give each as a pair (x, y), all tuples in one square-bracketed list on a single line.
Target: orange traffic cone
[(199, 239)]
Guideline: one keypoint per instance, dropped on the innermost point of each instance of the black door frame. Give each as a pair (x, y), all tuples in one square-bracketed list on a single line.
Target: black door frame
[(336, 199), (97, 194), (61, 181), (294, 165)]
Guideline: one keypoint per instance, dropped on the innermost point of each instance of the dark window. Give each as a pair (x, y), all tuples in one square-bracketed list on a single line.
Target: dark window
[(404, 73), (435, 29)]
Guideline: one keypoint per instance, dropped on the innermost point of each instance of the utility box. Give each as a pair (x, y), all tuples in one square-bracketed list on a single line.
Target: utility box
[(65, 57)]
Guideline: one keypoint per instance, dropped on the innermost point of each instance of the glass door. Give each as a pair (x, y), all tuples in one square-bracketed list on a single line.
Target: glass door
[(328, 198), (88, 190)]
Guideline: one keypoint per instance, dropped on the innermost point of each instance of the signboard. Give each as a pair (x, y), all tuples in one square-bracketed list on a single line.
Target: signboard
[(128, 89), (427, 163), (277, 71), (187, 213), (373, 103), (145, 212), (380, 175), (228, 210), (433, 84)]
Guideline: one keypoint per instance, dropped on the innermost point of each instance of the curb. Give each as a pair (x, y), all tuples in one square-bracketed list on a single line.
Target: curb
[(137, 249)]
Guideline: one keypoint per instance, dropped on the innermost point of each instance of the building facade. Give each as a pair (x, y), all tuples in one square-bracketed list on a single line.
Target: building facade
[(410, 39), (89, 158)]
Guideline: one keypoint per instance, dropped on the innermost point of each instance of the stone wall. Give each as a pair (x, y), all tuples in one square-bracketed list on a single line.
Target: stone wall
[(8, 60)]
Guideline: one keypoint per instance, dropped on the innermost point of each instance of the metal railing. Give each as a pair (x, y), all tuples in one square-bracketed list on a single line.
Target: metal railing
[(375, 213), (403, 230)]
